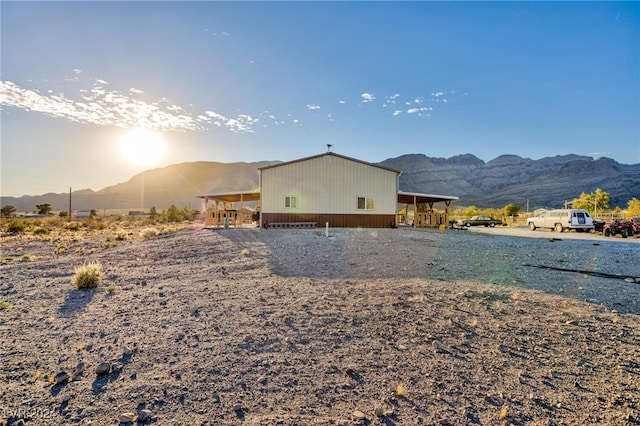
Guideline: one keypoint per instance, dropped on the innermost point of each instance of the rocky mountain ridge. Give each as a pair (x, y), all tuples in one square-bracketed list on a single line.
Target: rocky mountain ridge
[(547, 182)]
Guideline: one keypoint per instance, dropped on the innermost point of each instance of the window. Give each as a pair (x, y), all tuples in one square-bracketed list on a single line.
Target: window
[(289, 202), (365, 203)]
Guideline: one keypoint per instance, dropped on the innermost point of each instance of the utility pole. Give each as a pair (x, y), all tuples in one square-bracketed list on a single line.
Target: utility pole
[(69, 204)]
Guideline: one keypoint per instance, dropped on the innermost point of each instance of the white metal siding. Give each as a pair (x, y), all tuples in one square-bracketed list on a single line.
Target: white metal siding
[(328, 187)]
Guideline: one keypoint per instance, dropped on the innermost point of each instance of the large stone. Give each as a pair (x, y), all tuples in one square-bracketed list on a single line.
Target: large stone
[(103, 368)]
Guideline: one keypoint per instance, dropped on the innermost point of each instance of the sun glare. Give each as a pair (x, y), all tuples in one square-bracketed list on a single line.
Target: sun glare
[(142, 147)]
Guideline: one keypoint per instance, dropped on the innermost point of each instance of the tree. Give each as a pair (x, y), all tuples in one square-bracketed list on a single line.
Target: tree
[(7, 211), (174, 215), (471, 211), (189, 214), (511, 210), (153, 213), (633, 207), (63, 213), (593, 202), (44, 209)]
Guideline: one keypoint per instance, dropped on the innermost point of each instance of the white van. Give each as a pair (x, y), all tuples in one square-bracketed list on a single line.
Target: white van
[(562, 219)]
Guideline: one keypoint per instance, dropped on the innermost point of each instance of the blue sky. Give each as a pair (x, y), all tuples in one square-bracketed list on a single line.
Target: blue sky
[(251, 81)]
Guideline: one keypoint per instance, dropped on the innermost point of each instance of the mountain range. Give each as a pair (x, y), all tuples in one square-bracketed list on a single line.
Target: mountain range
[(547, 182)]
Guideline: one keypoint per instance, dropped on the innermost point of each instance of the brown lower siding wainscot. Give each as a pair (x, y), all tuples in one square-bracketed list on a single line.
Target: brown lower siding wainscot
[(335, 220)]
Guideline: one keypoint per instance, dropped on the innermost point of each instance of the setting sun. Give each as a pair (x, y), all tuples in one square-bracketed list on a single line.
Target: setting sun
[(142, 147)]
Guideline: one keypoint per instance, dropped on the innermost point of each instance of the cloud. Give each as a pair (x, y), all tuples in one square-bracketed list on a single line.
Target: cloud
[(97, 103), (367, 97), (112, 108)]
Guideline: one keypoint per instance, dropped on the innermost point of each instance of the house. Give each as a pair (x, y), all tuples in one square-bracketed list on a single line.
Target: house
[(329, 187)]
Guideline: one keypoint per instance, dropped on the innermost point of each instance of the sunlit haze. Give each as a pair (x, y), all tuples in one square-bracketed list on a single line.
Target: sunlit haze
[(253, 81), (142, 147)]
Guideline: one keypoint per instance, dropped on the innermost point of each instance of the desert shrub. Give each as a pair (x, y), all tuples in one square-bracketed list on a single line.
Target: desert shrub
[(149, 232), (4, 305), (16, 226), (40, 231), (111, 289), (121, 236), (87, 275), (73, 226), (109, 242)]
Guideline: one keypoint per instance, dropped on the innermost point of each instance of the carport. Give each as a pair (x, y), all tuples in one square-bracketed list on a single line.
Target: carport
[(427, 217), (225, 208)]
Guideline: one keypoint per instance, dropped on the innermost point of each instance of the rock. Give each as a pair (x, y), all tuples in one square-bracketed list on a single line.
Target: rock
[(262, 380), (359, 415), (144, 416), (103, 368), (237, 407), (378, 411), (128, 417), (61, 377)]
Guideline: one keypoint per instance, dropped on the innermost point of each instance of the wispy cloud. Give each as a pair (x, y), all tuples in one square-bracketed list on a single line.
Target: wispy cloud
[(99, 105), (367, 97)]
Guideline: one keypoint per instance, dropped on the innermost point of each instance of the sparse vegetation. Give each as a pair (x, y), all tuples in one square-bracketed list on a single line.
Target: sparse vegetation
[(149, 232), (401, 391), (109, 242), (40, 231), (4, 305), (73, 226), (111, 289), (16, 226), (88, 275)]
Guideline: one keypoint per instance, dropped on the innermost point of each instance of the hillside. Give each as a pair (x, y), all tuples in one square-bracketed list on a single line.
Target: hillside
[(547, 182)]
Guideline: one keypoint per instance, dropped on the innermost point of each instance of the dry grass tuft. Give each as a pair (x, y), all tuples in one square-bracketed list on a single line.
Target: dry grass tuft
[(149, 232), (88, 275), (517, 296), (245, 252), (401, 391), (416, 298), (504, 412), (4, 305)]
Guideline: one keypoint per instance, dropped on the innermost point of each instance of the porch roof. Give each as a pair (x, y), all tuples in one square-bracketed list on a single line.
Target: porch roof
[(419, 198)]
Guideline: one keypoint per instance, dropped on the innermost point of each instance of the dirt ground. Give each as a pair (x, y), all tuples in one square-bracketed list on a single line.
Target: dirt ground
[(291, 327)]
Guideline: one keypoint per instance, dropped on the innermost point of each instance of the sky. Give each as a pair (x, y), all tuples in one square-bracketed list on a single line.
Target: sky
[(93, 93)]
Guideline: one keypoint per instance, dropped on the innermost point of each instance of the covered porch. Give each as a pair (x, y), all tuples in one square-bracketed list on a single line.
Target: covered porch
[(229, 209), (424, 214)]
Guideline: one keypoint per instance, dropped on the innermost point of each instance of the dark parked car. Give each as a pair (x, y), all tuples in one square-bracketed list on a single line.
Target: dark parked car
[(479, 220)]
